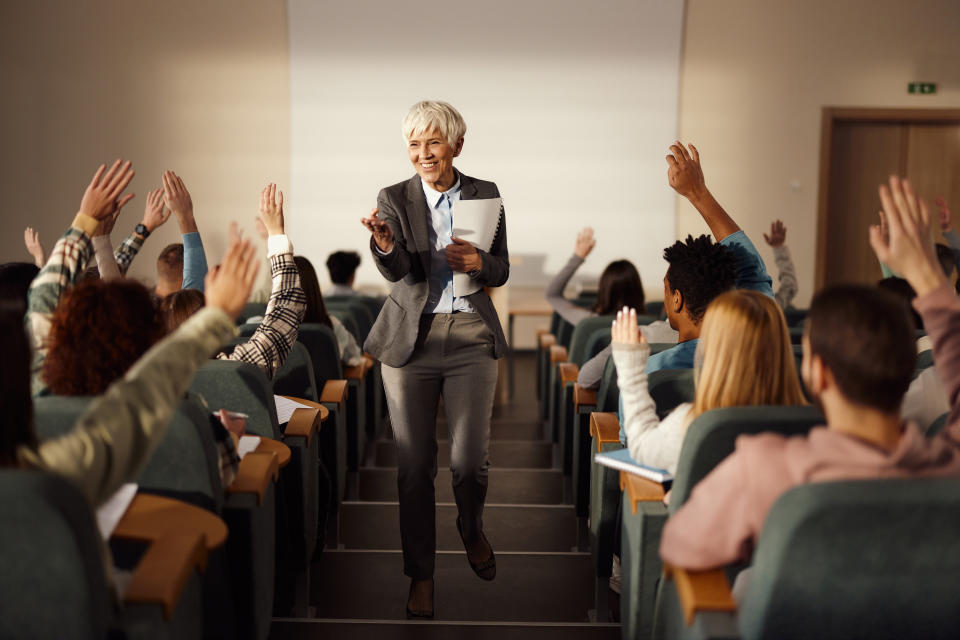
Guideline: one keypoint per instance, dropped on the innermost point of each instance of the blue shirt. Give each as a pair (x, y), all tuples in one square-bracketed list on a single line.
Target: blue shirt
[(440, 232), (751, 274), (194, 261)]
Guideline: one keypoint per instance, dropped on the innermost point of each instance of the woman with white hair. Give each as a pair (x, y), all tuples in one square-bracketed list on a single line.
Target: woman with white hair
[(435, 344)]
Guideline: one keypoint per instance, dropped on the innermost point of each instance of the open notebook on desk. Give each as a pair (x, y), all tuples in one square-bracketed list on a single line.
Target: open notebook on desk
[(621, 460), (286, 407)]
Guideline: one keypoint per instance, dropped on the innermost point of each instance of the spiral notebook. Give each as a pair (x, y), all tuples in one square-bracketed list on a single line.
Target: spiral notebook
[(621, 460), (477, 222)]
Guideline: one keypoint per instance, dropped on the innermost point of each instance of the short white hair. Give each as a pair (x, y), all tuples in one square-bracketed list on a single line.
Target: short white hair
[(429, 114)]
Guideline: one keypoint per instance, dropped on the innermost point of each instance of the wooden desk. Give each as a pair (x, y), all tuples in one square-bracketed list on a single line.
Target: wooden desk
[(269, 445), (152, 517)]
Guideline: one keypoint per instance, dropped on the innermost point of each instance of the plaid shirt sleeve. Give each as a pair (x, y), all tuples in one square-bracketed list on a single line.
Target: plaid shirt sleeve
[(269, 346), (68, 260), (127, 251)]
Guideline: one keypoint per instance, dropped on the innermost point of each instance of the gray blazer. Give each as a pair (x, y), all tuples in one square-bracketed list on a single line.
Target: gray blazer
[(404, 207)]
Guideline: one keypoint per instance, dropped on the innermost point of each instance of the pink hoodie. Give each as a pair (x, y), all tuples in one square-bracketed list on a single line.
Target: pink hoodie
[(726, 511)]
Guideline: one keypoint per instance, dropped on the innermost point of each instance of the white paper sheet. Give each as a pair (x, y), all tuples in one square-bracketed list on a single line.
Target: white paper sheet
[(247, 444), (475, 221), (110, 512), (285, 408)]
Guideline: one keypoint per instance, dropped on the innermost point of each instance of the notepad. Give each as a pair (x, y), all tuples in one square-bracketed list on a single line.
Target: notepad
[(621, 460), (111, 511), (247, 444), (475, 221), (286, 407)]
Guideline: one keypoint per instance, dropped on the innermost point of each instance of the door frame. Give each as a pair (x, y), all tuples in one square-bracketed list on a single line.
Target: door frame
[(833, 115)]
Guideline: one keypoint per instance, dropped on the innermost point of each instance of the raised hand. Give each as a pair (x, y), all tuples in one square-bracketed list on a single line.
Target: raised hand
[(271, 209), (625, 329), (684, 173), (178, 200), (908, 247), (946, 221), (778, 234), (585, 243), (155, 213), (462, 256), (382, 233), (261, 229), (228, 287), (103, 195), (32, 240)]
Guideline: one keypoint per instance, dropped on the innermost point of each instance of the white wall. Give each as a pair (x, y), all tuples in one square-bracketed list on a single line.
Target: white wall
[(570, 107)]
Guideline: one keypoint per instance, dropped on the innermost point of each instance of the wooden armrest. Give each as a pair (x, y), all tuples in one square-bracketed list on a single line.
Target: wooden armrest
[(640, 489), (605, 427), (256, 471), (152, 517), (164, 569), (324, 412), (701, 590), (568, 372), (583, 397), (547, 340), (357, 372), (282, 451), (542, 331), (558, 354), (303, 423), (334, 391)]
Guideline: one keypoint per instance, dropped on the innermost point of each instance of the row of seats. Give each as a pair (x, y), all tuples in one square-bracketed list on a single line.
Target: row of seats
[(205, 560)]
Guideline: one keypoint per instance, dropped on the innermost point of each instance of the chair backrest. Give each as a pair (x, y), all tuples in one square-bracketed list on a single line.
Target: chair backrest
[(586, 299), (670, 388), (655, 309), (580, 337), (598, 341), (359, 310), (858, 559), (564, 333), (796, 334), (239, 386), (608, 394), (555, 320), (185, 463), (711, 437), (252, 309), (795, 317), (321, 343), (346, 318), (247, 329), (53, 583), (295, 377)]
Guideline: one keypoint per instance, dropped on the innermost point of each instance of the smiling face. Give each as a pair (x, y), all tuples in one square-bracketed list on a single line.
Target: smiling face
[(432, 157)]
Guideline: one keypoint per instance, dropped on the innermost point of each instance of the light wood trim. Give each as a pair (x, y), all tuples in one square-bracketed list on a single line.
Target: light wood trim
[(256, 471), (605, 427), (359, 371), (640, 489), (547, 340), (701, 591), (583, 397), (164, 570), (334, 391), (324, 412), (303, 423), (282, 451), (568, 372), (558, 354), (152, 517)]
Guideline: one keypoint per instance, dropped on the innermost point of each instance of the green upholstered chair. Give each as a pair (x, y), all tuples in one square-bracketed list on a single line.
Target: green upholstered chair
[(858, 559), (252, 310), (709, 439), (361, 313), (670, 388)]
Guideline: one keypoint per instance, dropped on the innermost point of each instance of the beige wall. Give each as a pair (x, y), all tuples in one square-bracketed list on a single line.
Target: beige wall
[(198, 87), (756, 74)]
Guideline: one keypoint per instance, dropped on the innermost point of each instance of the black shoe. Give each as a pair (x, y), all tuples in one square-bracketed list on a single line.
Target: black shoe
[(486, 570), (420, 615)]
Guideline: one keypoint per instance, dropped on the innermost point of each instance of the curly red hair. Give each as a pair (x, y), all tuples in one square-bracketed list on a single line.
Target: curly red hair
[(99, 329)]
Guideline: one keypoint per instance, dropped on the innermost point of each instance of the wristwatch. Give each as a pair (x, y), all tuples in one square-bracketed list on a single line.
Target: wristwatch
[(141, 230)]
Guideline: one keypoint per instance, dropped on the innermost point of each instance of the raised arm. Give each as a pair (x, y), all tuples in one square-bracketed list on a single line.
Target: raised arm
[(270, 344), (554, 292), (686, 177), (116, 435), (781, 255), (32, 241), (178, 199), (154, 216), (103, 196)]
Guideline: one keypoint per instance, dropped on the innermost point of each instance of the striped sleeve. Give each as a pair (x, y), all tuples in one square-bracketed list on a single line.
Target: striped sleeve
[(127, 251)]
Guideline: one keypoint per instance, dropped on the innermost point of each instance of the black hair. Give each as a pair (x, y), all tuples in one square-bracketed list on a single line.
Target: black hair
[(619, 287), (15, 279), (16, 404), (864, 335), (316, 309), (342, 265), (902, 289), (700, 270)]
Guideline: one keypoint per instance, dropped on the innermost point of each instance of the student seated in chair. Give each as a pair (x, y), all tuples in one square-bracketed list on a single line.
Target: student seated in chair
[(745, 359), (342, 266), (858, 358), (350, 352), (117, 433)]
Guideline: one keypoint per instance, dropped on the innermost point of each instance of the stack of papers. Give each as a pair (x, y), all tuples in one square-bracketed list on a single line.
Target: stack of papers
[(286, 407), (110, 512), (475, 221), (247, 444), (621, 460)]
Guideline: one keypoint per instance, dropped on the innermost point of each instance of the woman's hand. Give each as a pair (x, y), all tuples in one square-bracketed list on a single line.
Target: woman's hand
[(154, 212), (382, 233), (625, 329), (271, 209), (585, 243), (778, 235), (103, 195), (462, 256), (32, 239)]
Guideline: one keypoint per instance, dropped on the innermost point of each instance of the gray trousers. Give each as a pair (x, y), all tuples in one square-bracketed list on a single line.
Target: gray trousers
[(453, 359)]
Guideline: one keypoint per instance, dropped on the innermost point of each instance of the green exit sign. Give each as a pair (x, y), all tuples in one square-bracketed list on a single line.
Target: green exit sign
[(922, 87)]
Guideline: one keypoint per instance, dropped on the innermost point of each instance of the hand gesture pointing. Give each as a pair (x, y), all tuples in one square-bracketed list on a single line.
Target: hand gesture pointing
[(382, 233)]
